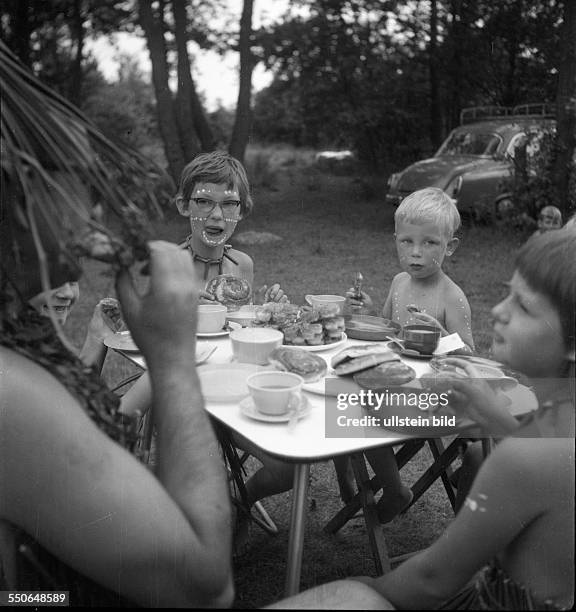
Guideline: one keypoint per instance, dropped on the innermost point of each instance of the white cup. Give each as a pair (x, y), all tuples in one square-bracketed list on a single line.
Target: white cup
[(275, 393), (335, 302), (244, 316), (211, 318), (254, 344)]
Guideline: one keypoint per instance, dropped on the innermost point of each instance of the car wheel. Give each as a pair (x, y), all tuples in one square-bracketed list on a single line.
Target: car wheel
[(505, 208)]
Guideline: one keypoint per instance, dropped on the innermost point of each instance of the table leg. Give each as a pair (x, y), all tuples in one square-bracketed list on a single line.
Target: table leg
[(297, 528)]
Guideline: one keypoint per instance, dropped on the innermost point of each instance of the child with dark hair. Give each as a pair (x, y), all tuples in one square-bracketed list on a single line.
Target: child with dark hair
[(214, 193), (511, 546)]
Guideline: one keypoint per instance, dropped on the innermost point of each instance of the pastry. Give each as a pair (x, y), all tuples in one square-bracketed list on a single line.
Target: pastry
[(112, 315), (353, 352), (388, 374), (299, 361), (229, 290)]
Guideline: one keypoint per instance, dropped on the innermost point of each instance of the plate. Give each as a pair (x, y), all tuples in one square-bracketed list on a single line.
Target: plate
[(226, 382), (249, 409), (339, 384), (410, 354), (480, 360), (492, 373), (319, 347), (203, 352), (230, 326), (368, 327), (121, 341)]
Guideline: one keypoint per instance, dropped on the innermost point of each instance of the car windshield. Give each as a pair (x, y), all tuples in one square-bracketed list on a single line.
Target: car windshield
[(470, 143)]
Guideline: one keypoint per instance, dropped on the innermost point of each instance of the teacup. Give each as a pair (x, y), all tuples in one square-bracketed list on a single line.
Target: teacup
[(244, 316), (335, 302), (254, 344), (211, 318), (421, 338), (275, 393)]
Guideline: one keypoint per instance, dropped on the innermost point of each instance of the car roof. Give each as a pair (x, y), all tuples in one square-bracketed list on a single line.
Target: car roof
[(506, 125)]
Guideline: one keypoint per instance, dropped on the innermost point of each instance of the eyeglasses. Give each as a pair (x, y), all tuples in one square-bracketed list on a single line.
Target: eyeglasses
[(206, 206)]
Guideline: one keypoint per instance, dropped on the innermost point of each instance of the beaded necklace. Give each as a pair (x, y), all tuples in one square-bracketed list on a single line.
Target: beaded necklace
[(207, 261)]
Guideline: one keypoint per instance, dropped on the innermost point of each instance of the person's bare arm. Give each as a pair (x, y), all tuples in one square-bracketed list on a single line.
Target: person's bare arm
[(476, 398), (387, 310), (459, 316), (500, 505), (159, 540)]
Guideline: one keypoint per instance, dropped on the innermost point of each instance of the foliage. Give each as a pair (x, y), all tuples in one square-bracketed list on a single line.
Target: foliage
[(534, 181), (356, 75), (124, 110), (51, 155), (48, 35)]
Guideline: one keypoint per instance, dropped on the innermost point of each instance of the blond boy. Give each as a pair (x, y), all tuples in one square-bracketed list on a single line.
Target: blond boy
[(426, 222)]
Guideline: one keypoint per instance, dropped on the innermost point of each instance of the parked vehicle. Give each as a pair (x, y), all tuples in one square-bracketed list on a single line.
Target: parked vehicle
[(475, 164)]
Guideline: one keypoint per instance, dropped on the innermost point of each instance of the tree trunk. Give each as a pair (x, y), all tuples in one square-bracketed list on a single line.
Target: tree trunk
[(20, 42), (190, 143), (243, 121), (75, 86), (167, 123), (435, 113), (566, 113), (456, 66), (190, 109)]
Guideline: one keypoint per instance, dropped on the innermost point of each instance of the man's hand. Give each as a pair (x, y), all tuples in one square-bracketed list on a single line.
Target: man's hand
[(163, 319)]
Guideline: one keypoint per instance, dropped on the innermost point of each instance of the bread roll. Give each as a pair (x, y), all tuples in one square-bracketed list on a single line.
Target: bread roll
[(299, 361)]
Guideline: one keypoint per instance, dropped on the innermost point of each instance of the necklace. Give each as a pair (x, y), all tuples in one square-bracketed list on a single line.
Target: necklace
[(208, 261)]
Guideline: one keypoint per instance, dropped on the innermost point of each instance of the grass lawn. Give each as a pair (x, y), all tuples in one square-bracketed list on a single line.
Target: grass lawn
[(331, 226)]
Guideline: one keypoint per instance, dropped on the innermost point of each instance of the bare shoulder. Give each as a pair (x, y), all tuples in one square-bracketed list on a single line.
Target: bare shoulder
[(400, 281), (452, 291), (244, 261), (543, 464)]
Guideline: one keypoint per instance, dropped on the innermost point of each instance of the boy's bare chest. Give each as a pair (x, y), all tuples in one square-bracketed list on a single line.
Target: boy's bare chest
[(427, 299)]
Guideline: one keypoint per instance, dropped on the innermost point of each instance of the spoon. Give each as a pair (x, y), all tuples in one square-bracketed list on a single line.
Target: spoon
[(400, 344)]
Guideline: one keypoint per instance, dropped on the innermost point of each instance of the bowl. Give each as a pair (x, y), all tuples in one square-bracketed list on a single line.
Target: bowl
[(368, 327), (334, 303), (254, 344), (211, 318), (421, 338), (245, 316)]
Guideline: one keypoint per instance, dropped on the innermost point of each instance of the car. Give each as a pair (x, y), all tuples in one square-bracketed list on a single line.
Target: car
[(475, 164)]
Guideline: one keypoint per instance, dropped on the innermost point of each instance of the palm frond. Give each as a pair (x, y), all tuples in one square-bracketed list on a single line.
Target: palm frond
[(61, 164)]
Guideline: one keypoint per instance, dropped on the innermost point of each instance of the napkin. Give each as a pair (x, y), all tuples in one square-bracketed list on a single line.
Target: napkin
[(450, 343)]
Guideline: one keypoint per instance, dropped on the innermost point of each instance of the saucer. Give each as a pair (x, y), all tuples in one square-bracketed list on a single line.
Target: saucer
[(226, 382), (121, 341), (249, 409), (230, 326)]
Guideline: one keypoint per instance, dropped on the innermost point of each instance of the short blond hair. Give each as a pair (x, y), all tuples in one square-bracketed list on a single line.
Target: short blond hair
[(429, 205)]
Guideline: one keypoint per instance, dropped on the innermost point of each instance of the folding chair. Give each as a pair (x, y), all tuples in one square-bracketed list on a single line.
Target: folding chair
[(367, 487)]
